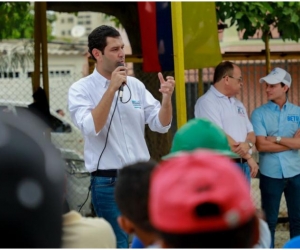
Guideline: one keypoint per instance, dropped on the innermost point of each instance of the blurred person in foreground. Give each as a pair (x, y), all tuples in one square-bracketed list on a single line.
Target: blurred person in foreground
[(86, 232), (134, 180), (277, 128), (209, 136), (194, 204), (31, 185), (293, 243)]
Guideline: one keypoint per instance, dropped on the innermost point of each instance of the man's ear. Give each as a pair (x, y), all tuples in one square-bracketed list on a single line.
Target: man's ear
[(286, 88), (96, 53), (126, 224), (225, 79)]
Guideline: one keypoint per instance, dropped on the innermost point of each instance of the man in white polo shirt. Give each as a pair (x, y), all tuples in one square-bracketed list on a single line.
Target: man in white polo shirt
[(220, 106)]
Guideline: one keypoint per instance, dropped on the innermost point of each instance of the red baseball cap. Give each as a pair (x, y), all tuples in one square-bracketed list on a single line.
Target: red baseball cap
[(199, 192)]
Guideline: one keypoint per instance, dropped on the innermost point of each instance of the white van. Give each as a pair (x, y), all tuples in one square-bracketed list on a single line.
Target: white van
[(64, 134)]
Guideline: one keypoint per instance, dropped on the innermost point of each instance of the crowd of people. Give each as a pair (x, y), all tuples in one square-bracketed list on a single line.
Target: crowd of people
[(197, 196)]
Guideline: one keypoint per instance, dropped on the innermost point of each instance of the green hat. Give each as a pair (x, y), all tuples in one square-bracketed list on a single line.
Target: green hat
[(200, 133)]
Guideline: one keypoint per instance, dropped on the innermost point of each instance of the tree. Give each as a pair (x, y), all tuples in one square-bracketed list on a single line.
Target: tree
[(252, 16), (14, 16), (18, 18)]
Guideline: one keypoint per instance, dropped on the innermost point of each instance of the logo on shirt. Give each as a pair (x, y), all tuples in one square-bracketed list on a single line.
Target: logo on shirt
[(241, 111), (293, 118), (136, 104)]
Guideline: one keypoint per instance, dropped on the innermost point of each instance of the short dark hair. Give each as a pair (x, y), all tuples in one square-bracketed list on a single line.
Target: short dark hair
[(240, 237), (132, 192), (97, 38), (223, 68), (282, 85)]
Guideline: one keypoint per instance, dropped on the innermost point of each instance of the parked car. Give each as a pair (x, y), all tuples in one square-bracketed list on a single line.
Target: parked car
[(64, 134)]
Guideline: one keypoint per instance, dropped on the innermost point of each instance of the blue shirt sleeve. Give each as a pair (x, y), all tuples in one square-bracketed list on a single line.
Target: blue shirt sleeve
[(136, 243), (258, 123)]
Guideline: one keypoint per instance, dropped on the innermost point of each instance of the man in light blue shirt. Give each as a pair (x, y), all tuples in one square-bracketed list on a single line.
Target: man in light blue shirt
[(276, 126)]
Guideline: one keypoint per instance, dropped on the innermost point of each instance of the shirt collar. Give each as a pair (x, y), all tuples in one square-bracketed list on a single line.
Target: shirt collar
[(219, 94), (101, 79), (216, 92), (275, 106)]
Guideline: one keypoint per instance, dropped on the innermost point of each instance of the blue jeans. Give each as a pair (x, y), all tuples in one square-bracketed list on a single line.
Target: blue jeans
[(105, 206), (271, 191), (246, 170)]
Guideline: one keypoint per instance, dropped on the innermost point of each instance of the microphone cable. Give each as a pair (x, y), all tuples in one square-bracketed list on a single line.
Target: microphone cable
[(122, 87), (106, 139), (121, 94)]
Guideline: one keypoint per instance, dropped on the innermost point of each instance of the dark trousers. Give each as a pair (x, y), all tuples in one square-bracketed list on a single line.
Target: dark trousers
[(271, 193)]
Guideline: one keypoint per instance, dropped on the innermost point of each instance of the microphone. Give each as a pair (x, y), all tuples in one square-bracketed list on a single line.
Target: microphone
[(123, 83)]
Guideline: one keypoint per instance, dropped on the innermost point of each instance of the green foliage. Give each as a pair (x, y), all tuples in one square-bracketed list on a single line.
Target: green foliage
[(18, 20), (113, 19), (14, 16), (253, 16)]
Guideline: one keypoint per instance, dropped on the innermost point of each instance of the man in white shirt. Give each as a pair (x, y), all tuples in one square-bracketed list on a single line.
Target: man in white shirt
[(220, 106), (111, 110)]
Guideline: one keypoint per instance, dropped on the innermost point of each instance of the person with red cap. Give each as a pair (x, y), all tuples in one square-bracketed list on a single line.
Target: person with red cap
[(210, 137), (202, 200)]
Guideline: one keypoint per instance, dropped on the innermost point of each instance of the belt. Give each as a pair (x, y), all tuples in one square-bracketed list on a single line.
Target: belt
[(240, 160), (106, 172)]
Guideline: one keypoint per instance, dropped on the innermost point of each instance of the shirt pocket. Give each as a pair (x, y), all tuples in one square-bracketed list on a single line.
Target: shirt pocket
[(291, 125)]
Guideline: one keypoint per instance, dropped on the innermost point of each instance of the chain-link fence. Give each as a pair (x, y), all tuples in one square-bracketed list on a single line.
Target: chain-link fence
[(16, 92)]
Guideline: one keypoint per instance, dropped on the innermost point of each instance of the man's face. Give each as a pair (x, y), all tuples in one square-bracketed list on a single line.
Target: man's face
[(275, 91), (235, 81), (113, 53)]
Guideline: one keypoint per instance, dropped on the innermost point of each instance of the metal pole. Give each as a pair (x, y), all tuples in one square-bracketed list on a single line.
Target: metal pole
[(176, 9)]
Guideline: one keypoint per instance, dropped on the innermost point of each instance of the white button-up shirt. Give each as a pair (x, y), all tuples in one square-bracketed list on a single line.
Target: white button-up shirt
[(228, 113), (126, 143)]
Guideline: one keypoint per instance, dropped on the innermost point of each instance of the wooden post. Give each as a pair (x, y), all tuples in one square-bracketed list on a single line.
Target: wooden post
[(268, 57), (44, 48), (37, 51), (200, 83)]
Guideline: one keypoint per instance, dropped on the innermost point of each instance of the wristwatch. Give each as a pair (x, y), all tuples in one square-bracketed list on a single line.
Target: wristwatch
[(250, 144), (278, 139)]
